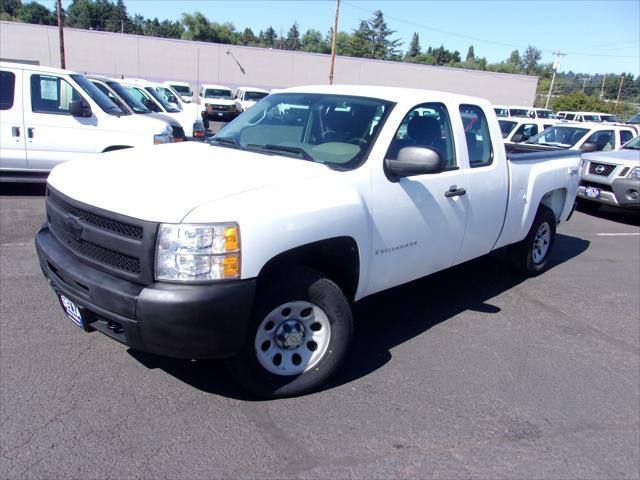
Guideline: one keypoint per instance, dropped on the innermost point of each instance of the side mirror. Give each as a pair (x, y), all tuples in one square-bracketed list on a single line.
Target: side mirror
[(517, 138), (79, 108), (415, 161), (588, 147)]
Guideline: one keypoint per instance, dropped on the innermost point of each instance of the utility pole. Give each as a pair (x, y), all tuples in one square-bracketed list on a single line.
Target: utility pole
[(122, 25), (584, 83), (333, 43), (619, 90), (60, 34), (556, 66), (602, 90)]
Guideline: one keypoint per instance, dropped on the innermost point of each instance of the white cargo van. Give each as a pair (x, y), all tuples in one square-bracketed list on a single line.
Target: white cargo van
[(49, 115)]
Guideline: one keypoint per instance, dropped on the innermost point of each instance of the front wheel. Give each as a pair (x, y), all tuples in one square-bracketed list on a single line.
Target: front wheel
[(301, 331), (530, 257)]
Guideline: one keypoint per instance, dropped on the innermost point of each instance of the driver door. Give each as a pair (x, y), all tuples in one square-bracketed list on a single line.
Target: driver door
[(418, 225)]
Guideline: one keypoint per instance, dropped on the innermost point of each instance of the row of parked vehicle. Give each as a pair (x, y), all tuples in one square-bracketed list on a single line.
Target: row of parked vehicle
[(610, 175), (50, 115)]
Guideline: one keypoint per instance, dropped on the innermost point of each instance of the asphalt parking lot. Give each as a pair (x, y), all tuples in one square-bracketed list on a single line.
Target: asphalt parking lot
[(469, 373)]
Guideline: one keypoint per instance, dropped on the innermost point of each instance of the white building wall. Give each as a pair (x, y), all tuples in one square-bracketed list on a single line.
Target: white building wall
[(117, 55)]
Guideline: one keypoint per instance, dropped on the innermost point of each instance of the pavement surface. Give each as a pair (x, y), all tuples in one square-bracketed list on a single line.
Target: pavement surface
[(470, 373)]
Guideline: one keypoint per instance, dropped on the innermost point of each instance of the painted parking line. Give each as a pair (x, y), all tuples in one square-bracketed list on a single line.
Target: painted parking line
[(636, 234)]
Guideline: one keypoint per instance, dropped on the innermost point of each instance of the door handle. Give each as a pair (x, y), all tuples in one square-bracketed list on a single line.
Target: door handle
[(454, 191), (15, 132), (30, 132)]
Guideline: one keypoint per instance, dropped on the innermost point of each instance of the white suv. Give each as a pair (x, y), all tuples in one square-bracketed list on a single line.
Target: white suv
[(49, 115)]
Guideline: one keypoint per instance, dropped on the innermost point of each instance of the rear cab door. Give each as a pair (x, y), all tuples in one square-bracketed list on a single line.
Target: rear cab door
[(13, 154), (484, 163), (53, 134)]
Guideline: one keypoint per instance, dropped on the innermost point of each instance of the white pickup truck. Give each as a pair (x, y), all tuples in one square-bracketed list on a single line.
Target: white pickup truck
[(253, 248)]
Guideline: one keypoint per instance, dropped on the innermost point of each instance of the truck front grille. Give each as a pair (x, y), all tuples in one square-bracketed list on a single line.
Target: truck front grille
[(601, 169), (108, 241)]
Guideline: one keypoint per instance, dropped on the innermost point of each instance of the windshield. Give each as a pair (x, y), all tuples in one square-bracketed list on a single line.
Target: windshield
[(135, 105), (506, 127), (183, 90), (501, 112), (218, 93), (634, 119), (255, 96), (97, 96), (633, 144), (562, 137), (161, 100), (608, 118), (545, 114), (519, 112), (336, 130)]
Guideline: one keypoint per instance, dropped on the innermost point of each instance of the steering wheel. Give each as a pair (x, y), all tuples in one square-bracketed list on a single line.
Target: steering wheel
[(359, 141)]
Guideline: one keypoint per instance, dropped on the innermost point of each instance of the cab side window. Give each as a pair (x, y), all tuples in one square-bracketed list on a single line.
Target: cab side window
[(7, 89), (476, 132), (625, 136), (51, 94), (527, 130), (426, 125), (603, 140)]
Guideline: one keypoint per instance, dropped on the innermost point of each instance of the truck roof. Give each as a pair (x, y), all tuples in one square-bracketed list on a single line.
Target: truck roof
[(253, 89), (393, 94), (39, 68), (212, 85)]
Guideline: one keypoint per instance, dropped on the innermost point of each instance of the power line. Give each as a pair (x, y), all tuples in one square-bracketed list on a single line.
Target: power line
[(477, 39)]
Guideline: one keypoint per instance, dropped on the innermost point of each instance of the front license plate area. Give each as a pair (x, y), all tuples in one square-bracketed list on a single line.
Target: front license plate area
[(72, 311), (592, 192)]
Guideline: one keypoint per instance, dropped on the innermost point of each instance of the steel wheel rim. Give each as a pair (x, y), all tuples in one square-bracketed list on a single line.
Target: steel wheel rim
[(292, 338), (541, 242)]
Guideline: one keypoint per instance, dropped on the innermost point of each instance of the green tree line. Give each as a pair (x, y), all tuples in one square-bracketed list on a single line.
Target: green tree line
[(372, 38)]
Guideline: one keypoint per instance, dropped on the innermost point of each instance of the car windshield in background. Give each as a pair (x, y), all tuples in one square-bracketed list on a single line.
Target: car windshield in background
[(97, 96), (218, 93), (129, 99), (633, 144), (608, 118), (182, 90), (545, 114), (161, 100), (501, 112), (254, 96), (506, 127), (561, 137), (336, 130), (591, 118), (519, 112)]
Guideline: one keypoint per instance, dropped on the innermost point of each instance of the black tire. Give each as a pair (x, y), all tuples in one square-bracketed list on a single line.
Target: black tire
[(587, 205), (298, 285), (526, 257)]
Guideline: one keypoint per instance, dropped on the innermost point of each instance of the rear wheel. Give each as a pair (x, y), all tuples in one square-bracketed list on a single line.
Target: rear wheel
[(530, 257), (301, 330)]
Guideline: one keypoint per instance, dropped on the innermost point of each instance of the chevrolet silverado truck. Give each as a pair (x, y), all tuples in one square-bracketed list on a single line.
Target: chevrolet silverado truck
[(253, 248)]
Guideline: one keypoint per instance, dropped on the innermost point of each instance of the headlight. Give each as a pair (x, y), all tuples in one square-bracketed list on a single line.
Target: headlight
[(198, 252), (162, 138), (635, 173)]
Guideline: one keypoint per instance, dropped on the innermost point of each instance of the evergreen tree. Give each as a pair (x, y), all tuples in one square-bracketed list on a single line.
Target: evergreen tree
[(471, 57), (292, 42), (382, 46), (248, 37), (269, 37), (414, 46)]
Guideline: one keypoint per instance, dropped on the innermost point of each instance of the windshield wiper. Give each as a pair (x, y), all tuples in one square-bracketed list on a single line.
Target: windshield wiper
[(631, 148), (230, 141), (283, 148)]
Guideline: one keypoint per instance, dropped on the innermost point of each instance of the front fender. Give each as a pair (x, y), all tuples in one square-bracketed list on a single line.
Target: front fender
[(279, 218)]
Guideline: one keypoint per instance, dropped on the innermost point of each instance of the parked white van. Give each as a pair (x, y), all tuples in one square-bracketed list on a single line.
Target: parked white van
[(49, 115), (183, 89), (246, 97)]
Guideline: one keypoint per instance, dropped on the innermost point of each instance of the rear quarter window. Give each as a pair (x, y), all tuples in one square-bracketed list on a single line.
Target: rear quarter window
[(7, 89), (478, 138)]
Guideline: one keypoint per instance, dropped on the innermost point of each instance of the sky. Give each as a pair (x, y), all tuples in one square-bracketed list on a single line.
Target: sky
[(597, 36)]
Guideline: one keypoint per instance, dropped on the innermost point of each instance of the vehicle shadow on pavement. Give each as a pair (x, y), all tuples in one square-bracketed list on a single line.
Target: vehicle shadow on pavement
[(391, 318), (23, 189), (627, 217)]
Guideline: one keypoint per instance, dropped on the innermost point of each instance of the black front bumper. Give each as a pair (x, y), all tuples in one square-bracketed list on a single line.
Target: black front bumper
[(183, 321)]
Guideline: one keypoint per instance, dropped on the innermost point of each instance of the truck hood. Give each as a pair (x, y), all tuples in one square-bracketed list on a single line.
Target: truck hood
[(164, 183)]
